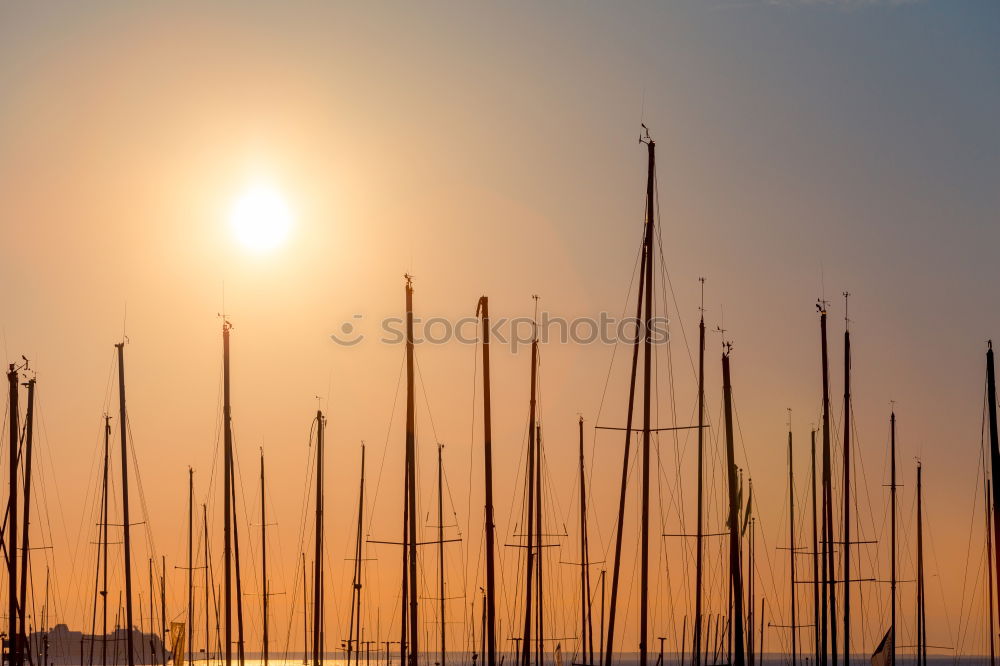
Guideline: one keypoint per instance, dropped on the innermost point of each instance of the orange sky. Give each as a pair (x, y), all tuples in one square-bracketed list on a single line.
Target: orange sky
[(802, 147)]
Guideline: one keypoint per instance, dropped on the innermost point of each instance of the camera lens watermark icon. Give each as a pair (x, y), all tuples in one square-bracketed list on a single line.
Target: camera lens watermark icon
[(348, 334)]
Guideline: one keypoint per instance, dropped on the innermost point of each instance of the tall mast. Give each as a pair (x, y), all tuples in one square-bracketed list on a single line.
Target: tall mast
[(616, 568), (847, 486), (815, 548), (892, 522), (530, 514), (586, 625), (828, 590), (26, 524), (647, 368), (700, 536), (227, 493), (921, 599), (490, 634), (163, 609), (12, 606), (190, 567), (735, 571), (263, 557), (123, 429), (208, 635), (540, 612), (991, 403), (791, 541), (440, 516), (411, 481), (318, 564), (354, 634)]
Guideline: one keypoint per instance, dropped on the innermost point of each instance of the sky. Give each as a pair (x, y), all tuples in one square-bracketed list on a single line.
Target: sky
[(804, 149)]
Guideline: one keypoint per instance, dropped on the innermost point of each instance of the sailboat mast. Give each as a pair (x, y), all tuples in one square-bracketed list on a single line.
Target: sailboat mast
[(127, 539), (791, 541), (991, 404), (318, 564), (586, 633), (491, 640), (647, 371), (847, 486), (735, 571), (15, 657), (25, 543), (208, 587), (411, 480), (263, 558), (828, 590), (530, 514), (356, 608), (540, 612), (892, 525), (440, 515), (700, 535), (921, 599), (190, 567), (227, 494)]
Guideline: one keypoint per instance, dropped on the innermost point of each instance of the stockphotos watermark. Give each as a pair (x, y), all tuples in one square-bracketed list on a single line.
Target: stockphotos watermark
[(517, 332)]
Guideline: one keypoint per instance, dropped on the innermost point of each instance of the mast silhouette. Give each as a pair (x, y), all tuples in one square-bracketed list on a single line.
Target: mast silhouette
[(410, 503), (127, 539), (828, 588), (647, 360), (440, 515), (354, 627), (700, 535), (540, 612), (847, 485), (263, 560), (892, 526), (25, 542), (318, 564), (208, 587), (530, 514), (735, 568), (586, 621), (190, 568), (483, 310), (921, 599), (791, 540), (991, 404), (227, 494), (14, 644), (101, 574)]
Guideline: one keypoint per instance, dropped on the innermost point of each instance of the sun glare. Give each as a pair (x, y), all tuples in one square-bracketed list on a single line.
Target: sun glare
[(260, 218)]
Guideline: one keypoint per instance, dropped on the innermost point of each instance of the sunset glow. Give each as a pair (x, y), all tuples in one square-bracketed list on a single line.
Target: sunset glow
[(260, 218)]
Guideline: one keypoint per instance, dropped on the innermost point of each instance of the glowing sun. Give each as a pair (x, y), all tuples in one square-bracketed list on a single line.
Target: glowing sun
[(260, 218)]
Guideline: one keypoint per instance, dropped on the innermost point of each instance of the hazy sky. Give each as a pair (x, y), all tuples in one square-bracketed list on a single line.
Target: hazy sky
[(803, 148)]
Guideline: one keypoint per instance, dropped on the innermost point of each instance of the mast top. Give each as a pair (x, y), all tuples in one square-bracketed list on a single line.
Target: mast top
[(644, 136), (821, 304), (701, 308), (847, 319)]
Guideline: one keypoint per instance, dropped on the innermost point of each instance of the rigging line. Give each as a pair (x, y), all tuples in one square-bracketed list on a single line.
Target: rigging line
[(385, 446)]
